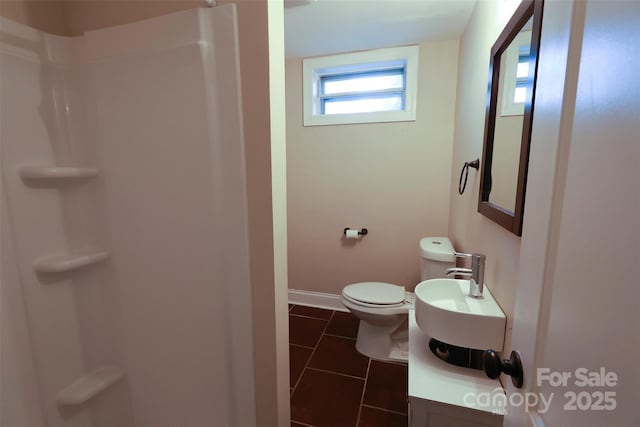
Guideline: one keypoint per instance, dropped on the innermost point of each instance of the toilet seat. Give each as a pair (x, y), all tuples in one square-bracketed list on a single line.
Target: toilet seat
[(375, 294)]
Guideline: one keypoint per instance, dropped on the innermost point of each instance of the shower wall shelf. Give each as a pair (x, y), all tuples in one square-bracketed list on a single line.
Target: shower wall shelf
[(67, 262), (86, 387), (55, 172)]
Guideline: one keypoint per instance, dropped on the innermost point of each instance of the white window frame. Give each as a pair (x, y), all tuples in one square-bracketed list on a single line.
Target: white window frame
[(314, 68)]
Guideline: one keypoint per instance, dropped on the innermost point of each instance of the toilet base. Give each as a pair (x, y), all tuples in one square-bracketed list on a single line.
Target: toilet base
[(388, 343)]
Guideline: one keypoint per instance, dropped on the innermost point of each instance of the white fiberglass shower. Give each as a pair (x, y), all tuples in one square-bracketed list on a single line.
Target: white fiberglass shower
[(125, 275)]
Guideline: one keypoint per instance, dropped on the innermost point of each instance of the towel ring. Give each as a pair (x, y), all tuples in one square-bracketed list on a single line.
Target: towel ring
[(465, 172)]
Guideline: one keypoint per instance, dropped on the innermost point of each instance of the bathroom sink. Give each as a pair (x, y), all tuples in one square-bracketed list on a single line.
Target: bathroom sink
[(444, 311)]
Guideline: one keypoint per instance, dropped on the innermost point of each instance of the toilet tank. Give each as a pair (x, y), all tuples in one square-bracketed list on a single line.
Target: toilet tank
[(437, 255)]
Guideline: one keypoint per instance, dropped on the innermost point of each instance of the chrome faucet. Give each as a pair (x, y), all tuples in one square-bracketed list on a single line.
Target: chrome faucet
[(475, 273)]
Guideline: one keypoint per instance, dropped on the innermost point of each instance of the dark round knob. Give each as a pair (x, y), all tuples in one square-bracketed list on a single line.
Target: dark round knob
[(493, 366)]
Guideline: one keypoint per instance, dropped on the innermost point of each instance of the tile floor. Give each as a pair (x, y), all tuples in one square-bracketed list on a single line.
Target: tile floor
[(332, 385)]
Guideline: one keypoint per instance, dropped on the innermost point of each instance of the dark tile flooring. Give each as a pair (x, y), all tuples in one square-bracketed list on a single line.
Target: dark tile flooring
[(332, 385)]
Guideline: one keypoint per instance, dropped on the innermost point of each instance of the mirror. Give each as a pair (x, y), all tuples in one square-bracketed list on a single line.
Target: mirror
[(509, 114)]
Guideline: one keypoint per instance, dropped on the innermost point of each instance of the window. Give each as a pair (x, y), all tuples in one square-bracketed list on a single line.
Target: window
[(364, 92), (514, 75), (364, 87), (522, 75)]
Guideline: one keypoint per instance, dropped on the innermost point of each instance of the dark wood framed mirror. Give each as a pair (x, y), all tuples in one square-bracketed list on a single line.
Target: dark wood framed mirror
[(509, 115)]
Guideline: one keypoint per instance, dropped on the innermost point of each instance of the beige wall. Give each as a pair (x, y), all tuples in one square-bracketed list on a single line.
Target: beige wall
[(73, 17), (83, 15), (45, 15), (388, 177), (468, 229)]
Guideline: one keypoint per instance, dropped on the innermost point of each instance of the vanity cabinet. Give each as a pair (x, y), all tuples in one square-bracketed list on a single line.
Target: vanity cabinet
[(444, 395), (426, 413)]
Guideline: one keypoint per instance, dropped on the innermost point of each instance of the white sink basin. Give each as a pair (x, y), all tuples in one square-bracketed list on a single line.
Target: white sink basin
[(444, 311)]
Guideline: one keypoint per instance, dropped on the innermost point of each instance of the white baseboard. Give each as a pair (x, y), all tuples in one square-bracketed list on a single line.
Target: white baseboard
[(316, 299)]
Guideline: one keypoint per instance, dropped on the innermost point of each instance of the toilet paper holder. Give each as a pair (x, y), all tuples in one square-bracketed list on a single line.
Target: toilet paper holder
[(362, 232)]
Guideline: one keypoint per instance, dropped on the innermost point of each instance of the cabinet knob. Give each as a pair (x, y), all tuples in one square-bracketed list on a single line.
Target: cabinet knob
[(493, 366)]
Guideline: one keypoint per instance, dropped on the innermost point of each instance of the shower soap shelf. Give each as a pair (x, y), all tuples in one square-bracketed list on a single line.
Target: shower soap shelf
[(88, 386), (68, 262), (55, 172)]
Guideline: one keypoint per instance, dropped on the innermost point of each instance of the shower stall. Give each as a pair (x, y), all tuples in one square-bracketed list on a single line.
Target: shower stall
[(126, 295)]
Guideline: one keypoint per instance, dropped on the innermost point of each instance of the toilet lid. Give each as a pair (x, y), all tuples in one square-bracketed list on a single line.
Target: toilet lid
[(375, 293)]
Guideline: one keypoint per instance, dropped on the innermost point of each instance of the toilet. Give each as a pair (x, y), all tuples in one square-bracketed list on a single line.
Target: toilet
[(383, 308)]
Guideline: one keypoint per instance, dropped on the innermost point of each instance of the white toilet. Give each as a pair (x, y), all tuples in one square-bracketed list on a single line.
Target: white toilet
[(383, 308)]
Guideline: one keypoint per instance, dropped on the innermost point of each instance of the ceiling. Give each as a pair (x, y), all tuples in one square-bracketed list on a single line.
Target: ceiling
[(320, 27)]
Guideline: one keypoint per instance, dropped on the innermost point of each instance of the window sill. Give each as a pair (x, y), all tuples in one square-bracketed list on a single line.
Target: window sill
[(346, 119)]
